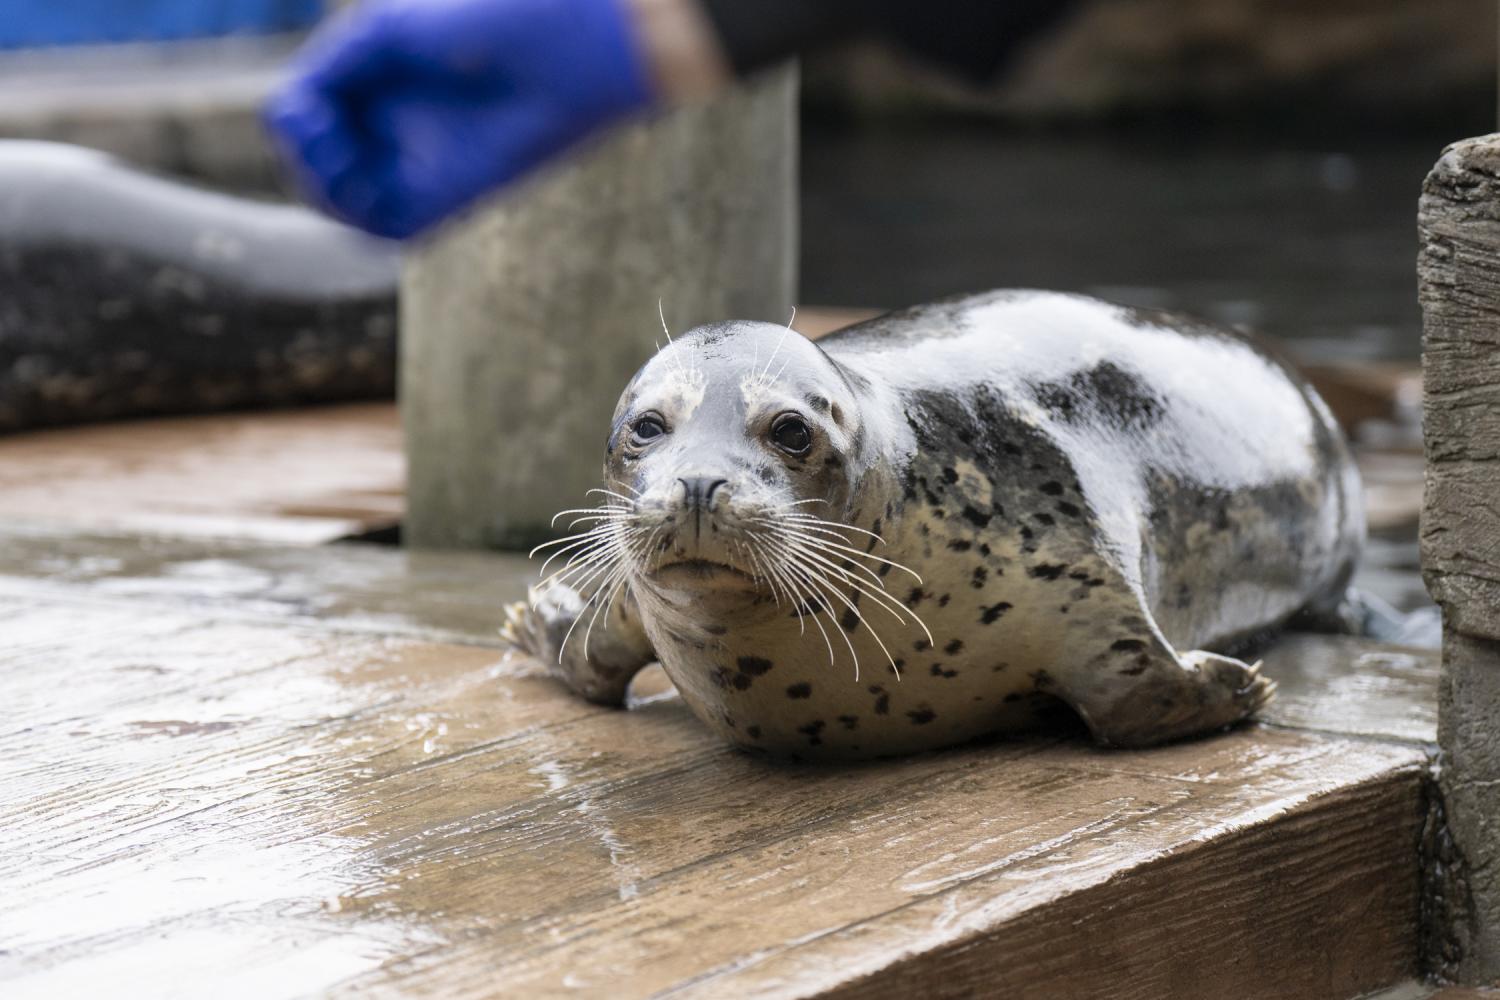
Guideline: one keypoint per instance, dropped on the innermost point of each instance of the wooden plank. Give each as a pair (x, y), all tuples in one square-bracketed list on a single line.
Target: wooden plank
[(448, 596), (295, 477), (343, 812), (1318, 905), (942, 862), (1353, 687)]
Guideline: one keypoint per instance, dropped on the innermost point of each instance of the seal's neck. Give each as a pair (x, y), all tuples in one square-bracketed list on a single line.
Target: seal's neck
[(883, 432)]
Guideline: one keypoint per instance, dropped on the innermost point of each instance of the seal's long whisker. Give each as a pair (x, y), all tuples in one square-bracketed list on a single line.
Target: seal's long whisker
[(879, 596), (587, 569), (619, 581), (599, 534), (684, 372), (581, 548), (823, 568), (577, 565), (609, 510), (620, 575), (650, 542), (612, 493), (578, 549), (592, 546), (831, 587), (594, 531), (618, 517), (819, 524), (776, 589), (780, 341), (798, 571), (757, 571), (833, 559), (805, 613), (563, 646), (794, 596), (595, 518), (591, 533), (830, 535), (804, 521), (847, 549), (578, 552), (607, 579), (851, 550), (822, 528), (792, 553), (810, 589), (815, 545), (606, 585), (794, 503), (801, 600), (802, 517)]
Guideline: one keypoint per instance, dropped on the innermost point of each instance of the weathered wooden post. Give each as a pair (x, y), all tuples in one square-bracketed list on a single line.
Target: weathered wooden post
[(1460, 289), (520, 326)]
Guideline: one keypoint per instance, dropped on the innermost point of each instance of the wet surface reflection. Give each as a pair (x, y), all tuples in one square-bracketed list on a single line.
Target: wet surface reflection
[(320, 810)]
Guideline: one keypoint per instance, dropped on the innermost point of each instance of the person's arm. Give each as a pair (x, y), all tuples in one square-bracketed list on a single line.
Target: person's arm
[(681, 46)]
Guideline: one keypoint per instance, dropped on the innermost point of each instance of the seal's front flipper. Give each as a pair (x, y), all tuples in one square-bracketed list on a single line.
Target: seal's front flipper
[(1140, 693), (595, 655)]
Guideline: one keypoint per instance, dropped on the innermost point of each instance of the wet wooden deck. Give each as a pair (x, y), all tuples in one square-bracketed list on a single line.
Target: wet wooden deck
[(233, 765)]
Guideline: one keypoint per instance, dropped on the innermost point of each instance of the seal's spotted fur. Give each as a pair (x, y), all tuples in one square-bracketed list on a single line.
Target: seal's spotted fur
[(1081, 491)]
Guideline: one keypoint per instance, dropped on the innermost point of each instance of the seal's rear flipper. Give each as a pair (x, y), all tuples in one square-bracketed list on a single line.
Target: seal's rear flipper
[(596, 655), (1363, 614), (1141, 693)]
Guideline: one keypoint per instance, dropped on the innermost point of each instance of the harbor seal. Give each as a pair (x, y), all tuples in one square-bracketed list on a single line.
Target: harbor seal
[(124, 294), (921, 528)]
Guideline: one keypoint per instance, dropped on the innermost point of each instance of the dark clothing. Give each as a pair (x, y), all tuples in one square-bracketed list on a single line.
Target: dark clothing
[(969, 37)]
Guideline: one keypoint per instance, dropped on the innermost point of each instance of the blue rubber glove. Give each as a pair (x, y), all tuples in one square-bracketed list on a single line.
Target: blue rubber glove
[(401, 112)]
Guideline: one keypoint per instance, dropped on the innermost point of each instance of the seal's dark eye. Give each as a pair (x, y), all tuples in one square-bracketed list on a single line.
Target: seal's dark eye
[(791, 434), (646, 430)]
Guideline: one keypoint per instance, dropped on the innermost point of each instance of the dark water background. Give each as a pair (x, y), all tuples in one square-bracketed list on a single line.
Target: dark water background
[(1312, 240)]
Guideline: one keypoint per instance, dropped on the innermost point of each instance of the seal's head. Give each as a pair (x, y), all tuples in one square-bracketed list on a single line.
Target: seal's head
[(732, 449)]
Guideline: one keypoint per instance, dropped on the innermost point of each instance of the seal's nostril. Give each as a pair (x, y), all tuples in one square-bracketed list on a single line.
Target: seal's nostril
[(698, 491)]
